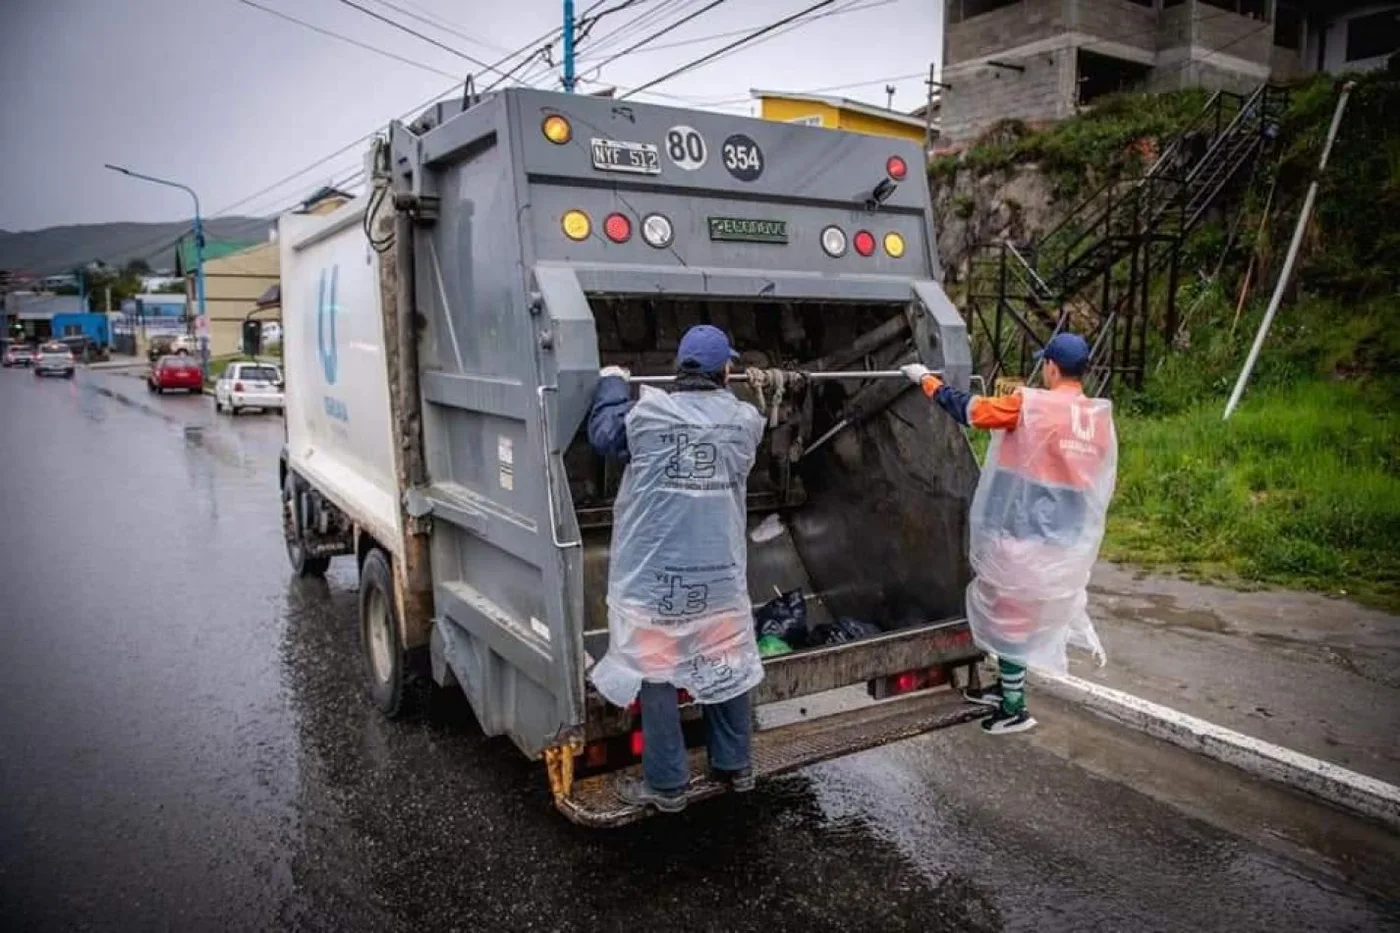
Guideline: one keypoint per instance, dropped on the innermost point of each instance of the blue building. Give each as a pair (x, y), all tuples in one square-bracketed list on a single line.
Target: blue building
[(93, 325)]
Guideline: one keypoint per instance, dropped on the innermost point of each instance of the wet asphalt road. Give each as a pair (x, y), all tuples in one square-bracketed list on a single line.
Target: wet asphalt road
[(183, 745)]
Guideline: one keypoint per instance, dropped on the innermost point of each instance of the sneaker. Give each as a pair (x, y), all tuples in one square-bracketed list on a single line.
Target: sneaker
[(640, 794), (984, 696), (1004, 723), (741, 781)]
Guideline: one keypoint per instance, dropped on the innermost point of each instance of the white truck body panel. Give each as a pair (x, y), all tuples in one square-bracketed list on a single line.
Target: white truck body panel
[(339, 433)]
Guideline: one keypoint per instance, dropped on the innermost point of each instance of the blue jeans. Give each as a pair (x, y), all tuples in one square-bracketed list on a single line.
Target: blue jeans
[(728, 729)]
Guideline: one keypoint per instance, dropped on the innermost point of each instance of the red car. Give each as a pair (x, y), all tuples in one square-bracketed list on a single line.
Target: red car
[(175, 372), (19, 354)]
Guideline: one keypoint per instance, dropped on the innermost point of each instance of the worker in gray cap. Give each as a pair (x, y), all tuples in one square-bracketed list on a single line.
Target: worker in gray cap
[(679, 616), (1037, 520)]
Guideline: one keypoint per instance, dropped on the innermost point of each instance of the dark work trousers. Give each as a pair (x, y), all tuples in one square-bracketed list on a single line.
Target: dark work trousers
[(728, 730)]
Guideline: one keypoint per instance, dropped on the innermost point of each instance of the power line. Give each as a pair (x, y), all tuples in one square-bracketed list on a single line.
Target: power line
[(442, 23), (659, 33), (413, 32), (548, 37), (639, 23), (710, 56), (679, 43), (355, 42), (819, 90)]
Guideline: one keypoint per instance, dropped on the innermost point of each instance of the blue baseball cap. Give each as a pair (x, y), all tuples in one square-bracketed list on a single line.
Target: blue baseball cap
[(704, 349), (1068, 351)]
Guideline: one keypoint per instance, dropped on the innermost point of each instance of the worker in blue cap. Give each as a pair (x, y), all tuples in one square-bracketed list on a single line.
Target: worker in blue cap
[(1037, 520), (679, 616)]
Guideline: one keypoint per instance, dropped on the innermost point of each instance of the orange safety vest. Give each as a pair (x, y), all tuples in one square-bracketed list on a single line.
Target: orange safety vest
[(1042, 477), (1063, 439)]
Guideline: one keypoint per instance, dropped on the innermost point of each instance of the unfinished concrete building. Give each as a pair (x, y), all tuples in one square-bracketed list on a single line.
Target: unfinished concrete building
[(1042, 60)]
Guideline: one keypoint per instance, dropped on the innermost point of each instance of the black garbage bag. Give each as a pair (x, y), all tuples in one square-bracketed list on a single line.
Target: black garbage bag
[(784, 617), (845, 630)]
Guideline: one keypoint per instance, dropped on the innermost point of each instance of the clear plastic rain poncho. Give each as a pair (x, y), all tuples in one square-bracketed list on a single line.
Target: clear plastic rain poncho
[(678, 600), (1037, 522)]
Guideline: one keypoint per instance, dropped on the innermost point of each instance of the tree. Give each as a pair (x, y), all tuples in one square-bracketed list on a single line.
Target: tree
[(171, 288), (138, 266)]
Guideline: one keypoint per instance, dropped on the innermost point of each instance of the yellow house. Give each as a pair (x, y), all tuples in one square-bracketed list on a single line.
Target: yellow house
[(839, 113)]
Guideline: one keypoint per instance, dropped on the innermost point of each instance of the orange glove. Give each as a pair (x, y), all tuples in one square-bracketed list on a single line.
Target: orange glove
[(919, 374)]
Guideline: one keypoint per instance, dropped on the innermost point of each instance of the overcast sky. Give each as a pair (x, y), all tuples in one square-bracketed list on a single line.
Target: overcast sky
[(229, 99)]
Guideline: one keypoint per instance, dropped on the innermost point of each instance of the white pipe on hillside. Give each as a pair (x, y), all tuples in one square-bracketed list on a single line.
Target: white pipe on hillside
[(1293, 251)]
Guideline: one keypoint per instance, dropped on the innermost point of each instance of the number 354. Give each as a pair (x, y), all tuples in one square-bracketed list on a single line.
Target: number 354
[(739, 156)]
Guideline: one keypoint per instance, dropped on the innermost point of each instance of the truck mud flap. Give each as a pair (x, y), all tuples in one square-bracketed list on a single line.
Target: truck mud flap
[(594, 802)]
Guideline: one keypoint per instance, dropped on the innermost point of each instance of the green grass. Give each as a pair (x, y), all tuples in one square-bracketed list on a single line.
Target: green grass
[(1301, 488)]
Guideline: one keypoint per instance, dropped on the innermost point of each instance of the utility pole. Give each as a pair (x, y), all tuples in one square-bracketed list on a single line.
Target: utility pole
[(932, 83), (928, 110), (568, 46), (202, 327)]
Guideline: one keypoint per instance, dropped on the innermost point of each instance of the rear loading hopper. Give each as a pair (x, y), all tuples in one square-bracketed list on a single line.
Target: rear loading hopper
[(544, 236)]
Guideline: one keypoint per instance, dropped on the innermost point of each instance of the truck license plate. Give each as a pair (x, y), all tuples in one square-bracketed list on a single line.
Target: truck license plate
[(615, 155)]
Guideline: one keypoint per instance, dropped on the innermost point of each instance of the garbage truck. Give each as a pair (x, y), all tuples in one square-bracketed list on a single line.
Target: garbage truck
[(443, 335)]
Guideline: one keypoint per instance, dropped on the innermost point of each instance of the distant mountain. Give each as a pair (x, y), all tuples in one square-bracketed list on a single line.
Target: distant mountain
[(59, 249)]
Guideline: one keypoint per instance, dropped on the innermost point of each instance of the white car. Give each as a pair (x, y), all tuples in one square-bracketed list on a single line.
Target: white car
[(248, 385), (184, 343)]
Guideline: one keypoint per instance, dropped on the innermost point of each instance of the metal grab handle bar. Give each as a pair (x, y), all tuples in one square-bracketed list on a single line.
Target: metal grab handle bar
[(810, 377), (549, 472)]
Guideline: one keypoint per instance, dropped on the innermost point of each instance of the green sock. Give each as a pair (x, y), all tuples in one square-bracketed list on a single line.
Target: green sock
[(1013, 686)]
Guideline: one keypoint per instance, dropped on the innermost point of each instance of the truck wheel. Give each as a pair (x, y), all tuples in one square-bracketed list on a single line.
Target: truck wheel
[(386, 674), (302, 565)]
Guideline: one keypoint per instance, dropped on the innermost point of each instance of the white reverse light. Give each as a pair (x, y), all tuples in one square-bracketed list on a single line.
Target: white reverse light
[(834, 242), (657, 231)]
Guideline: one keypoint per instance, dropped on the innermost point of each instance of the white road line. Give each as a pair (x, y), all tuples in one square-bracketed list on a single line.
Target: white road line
[(1337, 785)]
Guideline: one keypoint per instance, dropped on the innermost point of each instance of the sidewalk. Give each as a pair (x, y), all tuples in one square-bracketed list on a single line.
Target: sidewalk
[(1316, 675), (119, 362)]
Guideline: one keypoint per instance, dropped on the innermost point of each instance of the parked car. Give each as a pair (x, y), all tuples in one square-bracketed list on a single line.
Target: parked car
[(84, 348), (184, 343), (175, 372), (248, 385), (19, 354), (54, 359), (161, 345)]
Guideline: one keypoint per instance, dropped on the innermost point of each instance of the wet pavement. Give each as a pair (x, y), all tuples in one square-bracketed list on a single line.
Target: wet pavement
[(186, 747), (1313, 673)]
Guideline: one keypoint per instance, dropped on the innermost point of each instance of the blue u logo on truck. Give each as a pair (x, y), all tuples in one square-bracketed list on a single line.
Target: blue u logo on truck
[(325, 323)]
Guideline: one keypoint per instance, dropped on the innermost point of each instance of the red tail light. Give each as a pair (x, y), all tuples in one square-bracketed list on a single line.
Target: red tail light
[(637, 744), (238, 387), (896, 168), (864, 242), (618, 228), (906, 682), (595, 754)]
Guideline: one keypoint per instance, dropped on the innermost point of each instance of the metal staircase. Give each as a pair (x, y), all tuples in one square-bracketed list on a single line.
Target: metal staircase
[(1093, 271)]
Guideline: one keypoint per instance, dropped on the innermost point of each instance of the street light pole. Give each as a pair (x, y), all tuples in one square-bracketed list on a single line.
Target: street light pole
[(198, 258)]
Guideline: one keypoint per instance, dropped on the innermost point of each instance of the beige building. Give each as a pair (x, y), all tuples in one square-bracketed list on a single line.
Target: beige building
[(232, 286), (237, 275)]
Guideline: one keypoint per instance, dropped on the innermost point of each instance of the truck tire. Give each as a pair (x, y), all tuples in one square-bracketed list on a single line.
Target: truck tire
[(302, 565), (386, 673)]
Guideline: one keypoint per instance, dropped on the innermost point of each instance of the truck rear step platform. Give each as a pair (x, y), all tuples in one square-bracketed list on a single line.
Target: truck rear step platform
[(594, 801)]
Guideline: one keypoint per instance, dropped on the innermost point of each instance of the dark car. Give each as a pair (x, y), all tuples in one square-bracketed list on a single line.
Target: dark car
[(175, 372), (84, 348), (163, 345), (54, 359)]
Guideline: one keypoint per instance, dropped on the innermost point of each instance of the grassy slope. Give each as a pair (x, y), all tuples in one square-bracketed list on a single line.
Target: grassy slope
[(1301, 487)]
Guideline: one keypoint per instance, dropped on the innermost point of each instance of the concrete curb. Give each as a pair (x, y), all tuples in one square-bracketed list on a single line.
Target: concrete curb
[(1337, 785)]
